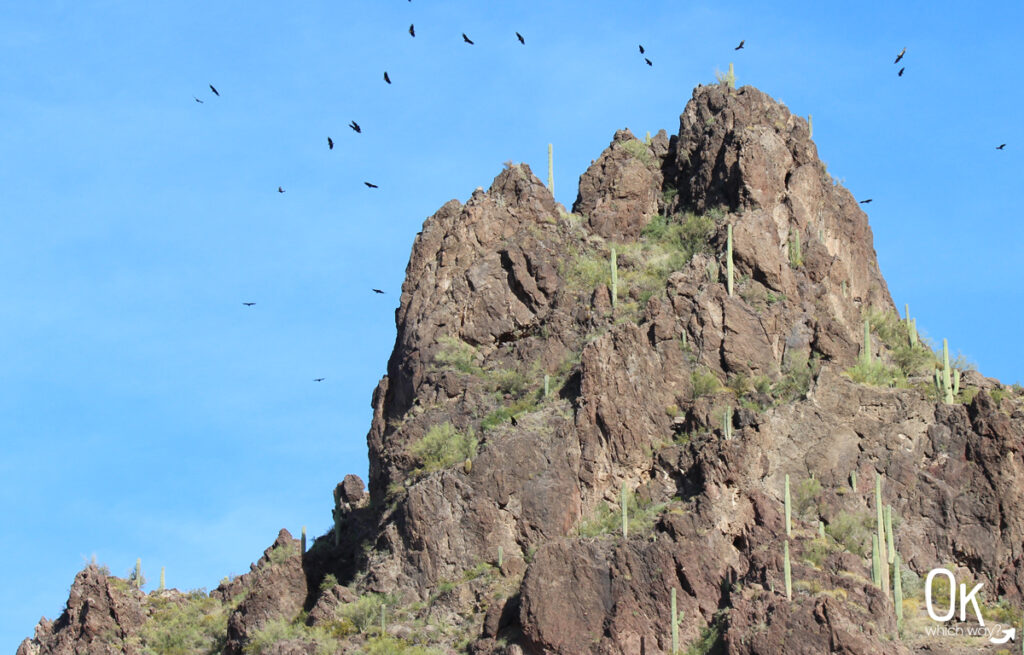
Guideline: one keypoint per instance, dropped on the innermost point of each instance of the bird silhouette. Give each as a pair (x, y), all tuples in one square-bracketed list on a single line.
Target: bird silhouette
[(248, 304), (280, 190), (648, 61), (1000, 147), (386, 78), (319, 379), (740, 46), (864, 202), (215, 92), (372, 186), (377, 291), (641, 49), (412, 31), (330, 143), (355, 126), (198, 100), (466, 39), (520, 37), (900, 56), (514, 421), (900, 74)]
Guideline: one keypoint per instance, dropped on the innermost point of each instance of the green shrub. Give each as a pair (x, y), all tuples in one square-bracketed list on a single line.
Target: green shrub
[(762, 384), (364, 612), (808, 499), (193, 625), (329, 582), (282, 553), (640, 517), (442, 446), (457, 354), (279, 630), (815, 551), (849, 530), (387, 645), (704, 383), (797, 378), (739, 383), (875, 372), (511, 381), (638, 149), (913, 360)]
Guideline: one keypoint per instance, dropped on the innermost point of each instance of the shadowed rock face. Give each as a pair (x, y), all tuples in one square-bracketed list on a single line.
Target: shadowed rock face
[(508, 289)]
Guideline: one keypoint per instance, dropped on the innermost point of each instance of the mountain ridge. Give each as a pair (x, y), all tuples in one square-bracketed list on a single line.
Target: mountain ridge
[(688, 403)]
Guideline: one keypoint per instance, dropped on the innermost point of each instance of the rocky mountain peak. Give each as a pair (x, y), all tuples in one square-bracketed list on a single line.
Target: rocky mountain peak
[(708, 323)]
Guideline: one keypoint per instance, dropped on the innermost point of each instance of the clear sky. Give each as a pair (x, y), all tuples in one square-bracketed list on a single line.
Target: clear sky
[(145, 412)]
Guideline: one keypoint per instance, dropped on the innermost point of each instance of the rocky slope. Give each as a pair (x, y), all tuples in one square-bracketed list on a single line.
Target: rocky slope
[(524, 401)]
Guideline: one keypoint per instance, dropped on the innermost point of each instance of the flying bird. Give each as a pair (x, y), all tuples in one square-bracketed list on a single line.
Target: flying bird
[(466, 39), (412, 31), (740, 46), (319, 379), (900, 74), (864, 202), (377, 291), (900, 56), (648, 61), (280, 190), (355, 126), (1000, 147), (372, 186), (386, 78), (330, 143), (248, 304), (215, 92), (198, 100), (520, 37), (641, 49)]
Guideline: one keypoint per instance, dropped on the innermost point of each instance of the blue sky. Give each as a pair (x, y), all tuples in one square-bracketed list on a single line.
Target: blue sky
[(146, 413)]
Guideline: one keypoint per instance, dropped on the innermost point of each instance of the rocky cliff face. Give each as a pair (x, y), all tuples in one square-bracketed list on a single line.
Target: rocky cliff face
[(528, 396)]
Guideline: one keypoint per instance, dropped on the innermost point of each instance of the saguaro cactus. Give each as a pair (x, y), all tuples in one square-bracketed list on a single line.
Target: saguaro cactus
[(727, 423), (615, 278), (138, 573), (789, 514), (551, 169), (853, 481), (875, 561), (787, 570), (547, 385), (889, 543), (866, 354), (897, 586), (913, 331), (728, 258), (163, 579), (883, 563), (675, 624), (810, 126), (947, 385), (625, 517), (501, 557)]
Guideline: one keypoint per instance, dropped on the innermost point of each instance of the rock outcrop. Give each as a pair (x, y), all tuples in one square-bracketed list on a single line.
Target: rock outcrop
[(528, 396)]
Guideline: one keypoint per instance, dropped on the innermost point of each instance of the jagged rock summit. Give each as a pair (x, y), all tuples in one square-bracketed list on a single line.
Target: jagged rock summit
[(690, 337)]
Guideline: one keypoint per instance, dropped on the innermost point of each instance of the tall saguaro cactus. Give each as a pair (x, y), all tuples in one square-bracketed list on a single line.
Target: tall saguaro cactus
[(728, 258), (889, 542), (163, 578), (303, 551), (947, 385), (897, 591), (615, 278), (883, 560), (787, 570), (866, 355), (675, 624), (551, 169), (625, 517), (789, 513)]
